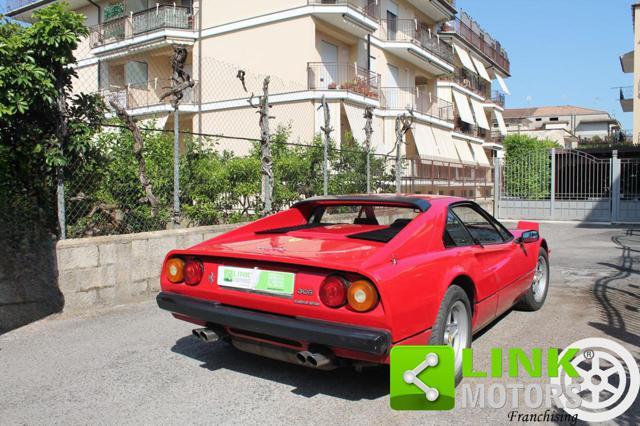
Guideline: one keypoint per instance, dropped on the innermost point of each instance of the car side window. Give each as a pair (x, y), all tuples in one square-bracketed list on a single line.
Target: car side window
[(480, 228), (455, 235)]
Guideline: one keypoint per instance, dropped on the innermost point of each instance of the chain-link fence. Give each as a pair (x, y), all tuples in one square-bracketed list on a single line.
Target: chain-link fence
[(221, 172)]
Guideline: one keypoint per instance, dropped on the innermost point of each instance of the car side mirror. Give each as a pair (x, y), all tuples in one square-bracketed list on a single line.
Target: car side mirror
[(528, 237)]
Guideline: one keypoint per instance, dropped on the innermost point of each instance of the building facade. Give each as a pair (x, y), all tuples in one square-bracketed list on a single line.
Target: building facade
[(567, 125), (630, 62), (394, 56)]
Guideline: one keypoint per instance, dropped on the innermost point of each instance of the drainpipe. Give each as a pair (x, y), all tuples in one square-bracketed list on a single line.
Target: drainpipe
[(369, 52), (199, 68)]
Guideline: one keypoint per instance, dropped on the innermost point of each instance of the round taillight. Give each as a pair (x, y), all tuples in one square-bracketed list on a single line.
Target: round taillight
[(362, 296), (175, 270), (333, 292), (193, 271)]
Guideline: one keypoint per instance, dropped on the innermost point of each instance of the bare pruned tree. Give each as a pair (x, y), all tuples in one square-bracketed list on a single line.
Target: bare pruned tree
[(368, 132), (326, 130), (138, 146), (403, 125)]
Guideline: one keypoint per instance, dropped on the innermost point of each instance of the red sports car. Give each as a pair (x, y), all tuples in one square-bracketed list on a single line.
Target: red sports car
[(340, 280)]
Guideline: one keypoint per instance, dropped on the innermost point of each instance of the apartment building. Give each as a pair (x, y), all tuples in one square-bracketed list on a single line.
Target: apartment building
[(630, 62), (566, 125), (392, 55)]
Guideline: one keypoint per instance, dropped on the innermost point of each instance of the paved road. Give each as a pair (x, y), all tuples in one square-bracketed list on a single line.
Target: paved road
[(135, 364)]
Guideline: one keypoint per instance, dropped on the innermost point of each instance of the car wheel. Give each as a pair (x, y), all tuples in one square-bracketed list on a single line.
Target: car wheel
[(453, 325), (537, 293)]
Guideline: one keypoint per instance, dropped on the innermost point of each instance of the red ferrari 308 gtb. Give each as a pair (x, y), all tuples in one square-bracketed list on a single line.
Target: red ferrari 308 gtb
[(339, 280)]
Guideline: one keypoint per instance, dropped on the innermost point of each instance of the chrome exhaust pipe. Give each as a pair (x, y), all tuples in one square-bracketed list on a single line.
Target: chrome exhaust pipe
[(206, 335), (302, 357), (318, 360)]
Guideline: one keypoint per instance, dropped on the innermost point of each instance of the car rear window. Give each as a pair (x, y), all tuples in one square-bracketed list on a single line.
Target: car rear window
[(362, 214)]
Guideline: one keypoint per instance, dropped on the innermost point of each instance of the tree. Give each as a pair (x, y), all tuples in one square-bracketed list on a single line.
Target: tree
[(44, 127), (527, 170)]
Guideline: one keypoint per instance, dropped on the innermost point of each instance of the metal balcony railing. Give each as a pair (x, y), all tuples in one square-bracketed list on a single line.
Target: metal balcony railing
[(339, 76), (416, 99), (498, 98), (410, 30), (147, 94), (470, 81), (154, 19), (371, 8), (481, 40), (626, 93)]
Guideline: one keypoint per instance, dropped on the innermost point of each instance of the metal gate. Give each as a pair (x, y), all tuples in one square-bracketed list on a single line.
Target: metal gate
[(567, 184)]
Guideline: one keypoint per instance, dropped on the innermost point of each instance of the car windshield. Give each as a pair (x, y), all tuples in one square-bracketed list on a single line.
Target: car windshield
[(362, 214)]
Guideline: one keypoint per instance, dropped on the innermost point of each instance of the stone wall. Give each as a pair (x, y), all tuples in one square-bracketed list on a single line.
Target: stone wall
[(120, 268)]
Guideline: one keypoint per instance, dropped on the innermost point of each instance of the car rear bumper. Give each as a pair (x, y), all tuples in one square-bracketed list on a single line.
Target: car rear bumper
[(360, 339)]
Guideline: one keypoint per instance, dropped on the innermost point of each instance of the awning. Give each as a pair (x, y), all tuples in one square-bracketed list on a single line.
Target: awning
[(465, 58), (480, 67), (502, 84), (462, 104), (481, 117), (356, 119), (425, 141), (464, 152), (501, 124), (445, 144), (480, 156), (444, 93)]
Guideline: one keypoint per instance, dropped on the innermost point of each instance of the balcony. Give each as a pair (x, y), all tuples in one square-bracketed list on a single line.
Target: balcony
[(347, 77), (498, 98), (415, 43), (470, 82), (626, 98), (469, 31), (357, 17), (438, 10), (417, 99), (141, 27), (144, 98)]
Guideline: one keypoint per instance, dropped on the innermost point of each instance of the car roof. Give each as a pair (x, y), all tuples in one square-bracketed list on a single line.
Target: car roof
[(420, 201)]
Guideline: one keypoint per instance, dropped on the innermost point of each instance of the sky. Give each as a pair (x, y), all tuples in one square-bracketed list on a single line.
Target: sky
[(562, 52)]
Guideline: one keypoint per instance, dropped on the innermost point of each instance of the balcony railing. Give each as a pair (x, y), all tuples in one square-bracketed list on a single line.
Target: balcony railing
[(409, 30), (371, 8), (626, 93), (480, 40), (416, 99), (470, 81), (338, 76), (498, 98), (147, 94), (154, 19)]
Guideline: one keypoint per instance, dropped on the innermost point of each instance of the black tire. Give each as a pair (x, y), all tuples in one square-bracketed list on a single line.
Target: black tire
[(452, 297), (532, 301)]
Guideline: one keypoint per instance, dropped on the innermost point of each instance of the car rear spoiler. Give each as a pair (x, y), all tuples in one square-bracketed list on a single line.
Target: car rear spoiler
[(398, 200)]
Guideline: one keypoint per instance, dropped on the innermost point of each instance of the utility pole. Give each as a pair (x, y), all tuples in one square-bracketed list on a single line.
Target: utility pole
[(368, 131), (326, 130), (403, 124)]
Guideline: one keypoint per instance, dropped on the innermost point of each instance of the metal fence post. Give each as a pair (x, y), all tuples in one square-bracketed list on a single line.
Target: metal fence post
[(176, 167), (615, 187), (552, 202), (497, 165)]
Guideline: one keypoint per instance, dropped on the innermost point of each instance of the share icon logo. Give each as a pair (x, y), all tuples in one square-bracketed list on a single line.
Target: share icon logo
[(422, 378)]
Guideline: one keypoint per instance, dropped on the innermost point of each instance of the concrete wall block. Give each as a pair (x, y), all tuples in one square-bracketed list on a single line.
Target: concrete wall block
[(77, 280), (106, 296), (77, 257), (159, 247), (80, 300), (139, 288), (107, 254), (139, 248), (210, 234), (189, 240)]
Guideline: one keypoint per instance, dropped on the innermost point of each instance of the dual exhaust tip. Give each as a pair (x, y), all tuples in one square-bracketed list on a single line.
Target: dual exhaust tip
[(206, 335), (314, 360)]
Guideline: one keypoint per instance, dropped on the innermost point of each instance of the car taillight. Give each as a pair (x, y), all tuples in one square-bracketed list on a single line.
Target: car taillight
[(193, 271), (174, 270), (362, 296), (333, 291)]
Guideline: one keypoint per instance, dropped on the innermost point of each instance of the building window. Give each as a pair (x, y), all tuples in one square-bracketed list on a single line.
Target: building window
[(136, 73), (538, 119), (553, 119)]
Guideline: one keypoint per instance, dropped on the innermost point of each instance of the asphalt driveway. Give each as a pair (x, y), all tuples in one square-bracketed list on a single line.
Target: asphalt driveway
[(137, 365)]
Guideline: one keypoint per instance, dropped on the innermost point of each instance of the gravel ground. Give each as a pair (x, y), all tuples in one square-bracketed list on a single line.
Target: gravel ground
[(136, 365)]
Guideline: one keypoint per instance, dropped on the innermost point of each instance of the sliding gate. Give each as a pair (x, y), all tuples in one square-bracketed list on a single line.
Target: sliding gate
[(563, 184)]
